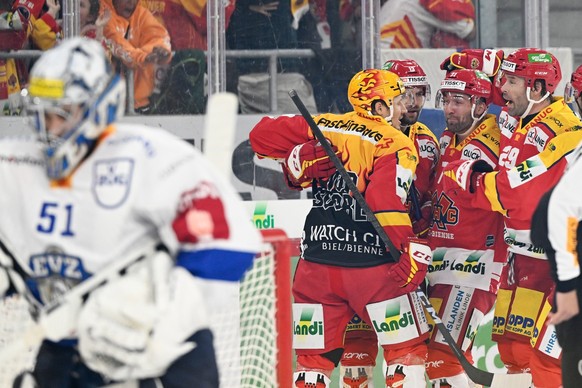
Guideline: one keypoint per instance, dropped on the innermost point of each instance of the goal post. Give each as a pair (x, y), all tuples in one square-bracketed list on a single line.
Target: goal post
[(252, 336), (261, 323), (283, 311)]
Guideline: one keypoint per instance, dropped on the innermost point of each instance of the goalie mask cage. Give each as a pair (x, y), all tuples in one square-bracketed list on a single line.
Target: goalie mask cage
[(252, 341)]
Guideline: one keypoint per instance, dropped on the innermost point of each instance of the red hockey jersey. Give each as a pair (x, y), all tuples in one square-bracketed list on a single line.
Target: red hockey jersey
[(467, 242), (381, 160), (518, 143)]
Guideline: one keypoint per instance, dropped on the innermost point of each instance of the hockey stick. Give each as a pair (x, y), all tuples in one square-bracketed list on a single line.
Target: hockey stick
[(479, 376), (219, 130)]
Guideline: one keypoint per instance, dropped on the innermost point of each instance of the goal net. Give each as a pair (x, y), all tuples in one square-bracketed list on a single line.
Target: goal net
[(252, 337)]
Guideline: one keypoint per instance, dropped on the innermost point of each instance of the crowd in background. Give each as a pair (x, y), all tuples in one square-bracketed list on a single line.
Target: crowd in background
[(163, 43)]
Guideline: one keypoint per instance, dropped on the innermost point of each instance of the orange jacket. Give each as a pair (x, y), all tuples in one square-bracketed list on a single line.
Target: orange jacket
[(131, 40)]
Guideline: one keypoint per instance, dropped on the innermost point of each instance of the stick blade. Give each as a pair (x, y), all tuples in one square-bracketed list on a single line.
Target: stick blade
[(518, 380), (219, 130)]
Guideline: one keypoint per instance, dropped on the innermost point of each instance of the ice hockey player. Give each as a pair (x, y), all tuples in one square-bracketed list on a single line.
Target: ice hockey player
[(340, 248), (87, 191), (361, 343), (467, 243), (530, 119), (573, 89)]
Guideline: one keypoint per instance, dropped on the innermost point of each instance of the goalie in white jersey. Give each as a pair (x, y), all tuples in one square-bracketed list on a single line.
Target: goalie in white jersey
[(92, 192)]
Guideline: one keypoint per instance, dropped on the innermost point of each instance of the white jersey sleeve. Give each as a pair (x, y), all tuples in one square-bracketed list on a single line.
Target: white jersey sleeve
[(198, 214), (564, 215)]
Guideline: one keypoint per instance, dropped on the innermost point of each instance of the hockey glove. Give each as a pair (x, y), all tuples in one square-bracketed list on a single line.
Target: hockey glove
[(129, 329), (421, 226), (488, 61), (464, 174), (410, 270), (309, 161)]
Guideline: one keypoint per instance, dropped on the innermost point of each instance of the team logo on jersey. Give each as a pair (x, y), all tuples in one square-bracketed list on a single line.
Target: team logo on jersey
[(112, 181), (445, 212), (56, 272)]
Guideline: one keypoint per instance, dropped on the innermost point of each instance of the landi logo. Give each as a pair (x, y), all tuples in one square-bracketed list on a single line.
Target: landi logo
[(393, 320), (261, 219), (307, 325)]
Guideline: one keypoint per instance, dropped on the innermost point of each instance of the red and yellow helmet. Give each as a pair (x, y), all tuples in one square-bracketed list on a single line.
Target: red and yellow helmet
[(372, 85)]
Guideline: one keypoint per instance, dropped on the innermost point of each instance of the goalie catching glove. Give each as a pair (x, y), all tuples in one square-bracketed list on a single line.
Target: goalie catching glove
[(488, 61), (308, 161), (464, 174), (137, 325), (410, 270)]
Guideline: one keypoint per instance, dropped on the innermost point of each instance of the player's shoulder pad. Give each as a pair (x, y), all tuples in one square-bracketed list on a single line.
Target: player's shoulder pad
[(394, 140), (488, 132), (423, 130), (558, 117), (560, 146)]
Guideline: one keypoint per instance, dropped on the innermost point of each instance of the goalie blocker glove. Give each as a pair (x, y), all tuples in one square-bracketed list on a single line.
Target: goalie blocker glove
[(308, 161), (410, 270)]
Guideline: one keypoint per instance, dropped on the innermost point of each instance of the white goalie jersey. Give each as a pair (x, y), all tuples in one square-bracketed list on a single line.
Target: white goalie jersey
[(140, 186)]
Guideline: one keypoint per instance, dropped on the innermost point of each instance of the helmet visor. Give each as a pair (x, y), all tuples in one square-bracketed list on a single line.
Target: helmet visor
[(446, 98)]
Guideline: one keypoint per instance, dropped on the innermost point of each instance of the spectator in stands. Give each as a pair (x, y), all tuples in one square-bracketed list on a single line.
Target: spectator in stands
[(317, 30), (258, 25), (322, 27), (22, 26), (349, 29), (427, 23), (91, 21), (183, 89), (139, 42), (44, 28)]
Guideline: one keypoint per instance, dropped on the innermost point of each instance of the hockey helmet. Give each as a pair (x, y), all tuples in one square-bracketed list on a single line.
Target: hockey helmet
[(474, 83), (74, 80), (531, 64), (409, 72), (372, 85), (574, 87)]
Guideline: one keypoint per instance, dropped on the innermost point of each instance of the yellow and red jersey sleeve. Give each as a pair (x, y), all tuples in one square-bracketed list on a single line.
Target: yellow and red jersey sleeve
[(274, 137), (387, 191), (381, 160), (516, 192)]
